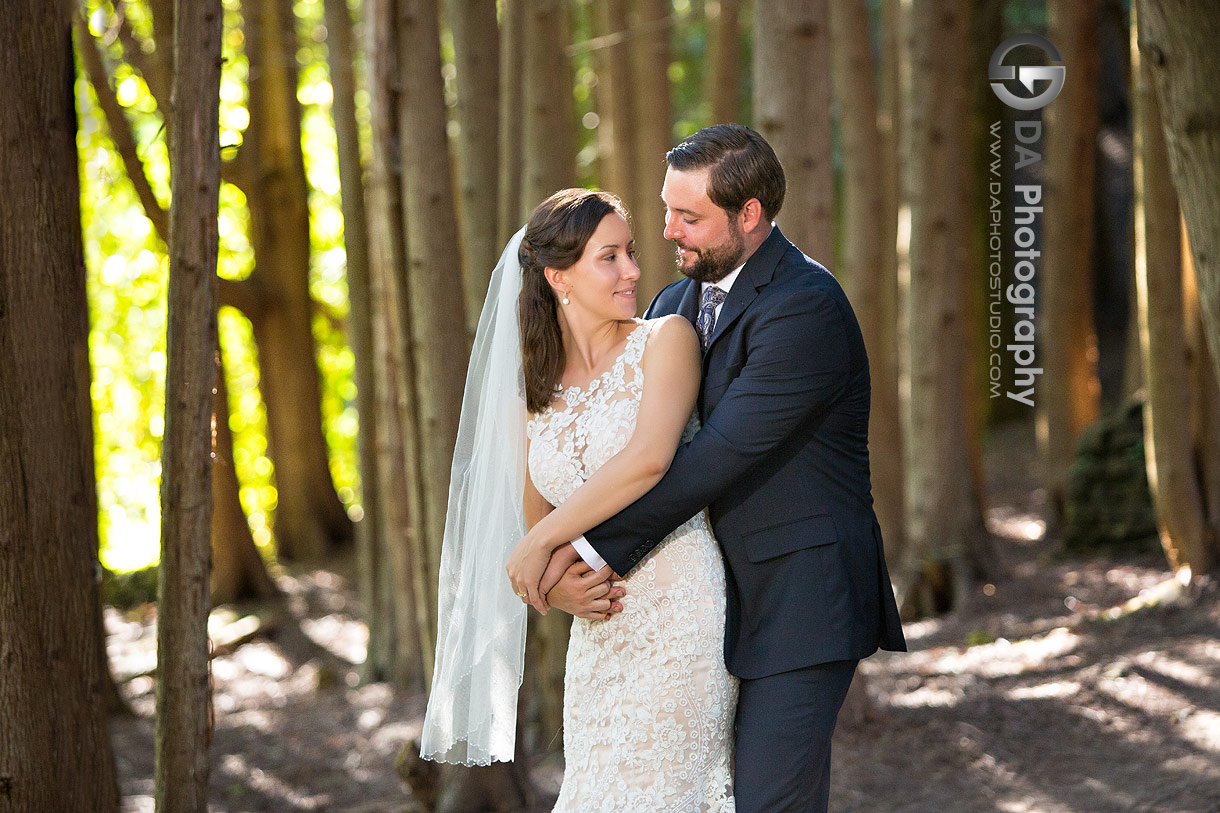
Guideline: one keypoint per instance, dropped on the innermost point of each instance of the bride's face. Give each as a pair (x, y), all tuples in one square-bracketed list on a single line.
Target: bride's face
[(602, 282)]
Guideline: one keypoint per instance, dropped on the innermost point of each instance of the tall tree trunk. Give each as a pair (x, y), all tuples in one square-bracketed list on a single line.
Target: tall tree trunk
[(944, 516), (549, 143), (653, 126), (512, 119), (341, 53), (476, 47), (722, 81), (434, 290), (865, 265), (616, 130), (394, 572), (1178, 40), (238, 570), (1068, 345), (183, 727), (1204, 400), (792, 98), (54, 747), (1170, 456), (309, 519)]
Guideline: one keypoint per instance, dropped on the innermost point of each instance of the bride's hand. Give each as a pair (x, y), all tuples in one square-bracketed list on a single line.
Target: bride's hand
[(525, 569)]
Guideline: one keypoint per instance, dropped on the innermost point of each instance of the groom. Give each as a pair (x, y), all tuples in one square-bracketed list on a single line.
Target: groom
[(781, 462)]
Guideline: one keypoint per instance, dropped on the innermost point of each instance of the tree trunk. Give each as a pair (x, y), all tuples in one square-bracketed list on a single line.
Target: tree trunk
[(792, 100), (238, 570), (865, 265), (512, 119), (653, 127), (549, 144), (183, 726), (55, 751), (434, 288), (394, 569), (1068, 345), (616, 129), (1178, 40), (309, 519), (369, 530), (944, 515), (723, 83), (476, 47), (1204, 401)]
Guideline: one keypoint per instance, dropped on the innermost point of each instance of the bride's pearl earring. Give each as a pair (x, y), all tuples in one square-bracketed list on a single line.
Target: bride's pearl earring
[(566, 301)]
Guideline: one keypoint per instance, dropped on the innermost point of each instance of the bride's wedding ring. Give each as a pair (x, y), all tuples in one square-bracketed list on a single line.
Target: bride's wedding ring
[(523, 595)]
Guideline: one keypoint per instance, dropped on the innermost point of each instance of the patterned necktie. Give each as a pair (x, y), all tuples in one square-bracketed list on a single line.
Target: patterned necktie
[(713, 297)]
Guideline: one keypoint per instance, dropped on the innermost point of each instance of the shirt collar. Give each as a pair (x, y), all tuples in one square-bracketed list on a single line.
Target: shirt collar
[(725, 284)]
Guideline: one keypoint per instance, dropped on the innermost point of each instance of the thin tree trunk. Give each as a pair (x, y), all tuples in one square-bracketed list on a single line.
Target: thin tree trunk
[(792, 98), (1071, 391), (549, 144), (1178, 39), (653, 126), (434, 290), (512, 121), (238, 570), (616, 130), (476, 46), (942, 511), (309, 519), (864, 265), (54, 747), (394, 566), (183, 726), (342, 54), (723, 79)]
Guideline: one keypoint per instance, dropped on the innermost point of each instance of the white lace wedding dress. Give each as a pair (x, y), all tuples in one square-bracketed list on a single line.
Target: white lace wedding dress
[(648, 704)]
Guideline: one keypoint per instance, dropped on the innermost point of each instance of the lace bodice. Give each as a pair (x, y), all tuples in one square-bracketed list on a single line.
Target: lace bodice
[(648, 703)]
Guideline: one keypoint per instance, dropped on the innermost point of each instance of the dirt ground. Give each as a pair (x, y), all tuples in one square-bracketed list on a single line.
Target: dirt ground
[(1082, 685)]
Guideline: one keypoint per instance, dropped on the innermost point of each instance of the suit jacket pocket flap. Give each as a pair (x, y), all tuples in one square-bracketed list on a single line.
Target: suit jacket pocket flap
[(789, 536)]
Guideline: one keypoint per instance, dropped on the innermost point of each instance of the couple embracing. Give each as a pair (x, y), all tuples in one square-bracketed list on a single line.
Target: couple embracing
[(692, 486)]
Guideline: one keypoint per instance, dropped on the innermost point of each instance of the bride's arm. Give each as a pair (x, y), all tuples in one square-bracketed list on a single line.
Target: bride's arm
[(671, 385), (533, 505)]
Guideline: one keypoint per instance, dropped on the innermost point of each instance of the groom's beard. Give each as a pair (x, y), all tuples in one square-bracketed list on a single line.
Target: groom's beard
[(714, 264)]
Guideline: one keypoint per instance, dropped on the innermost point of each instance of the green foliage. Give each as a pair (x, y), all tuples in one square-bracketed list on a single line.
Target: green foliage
[(127, 270)]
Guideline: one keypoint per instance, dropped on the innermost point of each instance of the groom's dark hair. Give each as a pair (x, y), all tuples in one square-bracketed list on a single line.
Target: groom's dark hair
[(743, 166)]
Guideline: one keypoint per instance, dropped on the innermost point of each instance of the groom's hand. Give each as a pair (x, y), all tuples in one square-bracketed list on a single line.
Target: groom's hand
[(587, 593)]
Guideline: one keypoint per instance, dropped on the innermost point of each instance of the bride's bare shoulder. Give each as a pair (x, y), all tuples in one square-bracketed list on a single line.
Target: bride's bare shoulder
[(671, 333)]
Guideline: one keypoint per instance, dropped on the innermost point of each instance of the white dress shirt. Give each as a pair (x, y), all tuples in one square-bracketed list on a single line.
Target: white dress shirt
[(586, 551)]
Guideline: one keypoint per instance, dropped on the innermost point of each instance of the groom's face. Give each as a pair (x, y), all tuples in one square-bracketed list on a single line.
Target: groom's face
[(709, 240)]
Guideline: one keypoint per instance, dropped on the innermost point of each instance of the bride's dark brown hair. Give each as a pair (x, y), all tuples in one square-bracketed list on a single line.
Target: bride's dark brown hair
[(555, 237)]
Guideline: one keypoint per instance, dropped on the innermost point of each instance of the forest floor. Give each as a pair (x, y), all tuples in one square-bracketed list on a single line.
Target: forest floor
[(1073, 685)]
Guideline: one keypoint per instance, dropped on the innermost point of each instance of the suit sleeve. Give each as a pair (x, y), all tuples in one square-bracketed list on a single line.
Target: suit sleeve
[(798, 364)]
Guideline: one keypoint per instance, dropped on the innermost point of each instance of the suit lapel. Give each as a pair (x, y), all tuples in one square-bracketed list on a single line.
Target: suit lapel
[(688, 305), (757, 273)]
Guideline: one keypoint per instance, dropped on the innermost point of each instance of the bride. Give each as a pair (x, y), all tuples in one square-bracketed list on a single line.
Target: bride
[(573, 409)]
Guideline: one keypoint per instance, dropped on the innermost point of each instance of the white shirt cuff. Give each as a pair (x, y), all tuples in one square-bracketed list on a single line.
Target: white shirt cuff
[(591, 557)]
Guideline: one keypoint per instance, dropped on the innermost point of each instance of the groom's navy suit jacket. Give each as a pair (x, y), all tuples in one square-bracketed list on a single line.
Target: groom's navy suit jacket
[(781, 462)]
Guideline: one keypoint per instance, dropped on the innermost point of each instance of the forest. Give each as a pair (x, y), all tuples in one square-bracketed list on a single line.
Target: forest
[(244, 248)]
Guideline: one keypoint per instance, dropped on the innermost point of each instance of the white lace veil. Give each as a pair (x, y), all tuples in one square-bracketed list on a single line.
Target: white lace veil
[(480, 642)]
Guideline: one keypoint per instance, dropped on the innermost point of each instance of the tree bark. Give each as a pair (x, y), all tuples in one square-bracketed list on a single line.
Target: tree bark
[(55, 751), (653, 127), (549, 143), (1068, 345), (309, 519), (512, 120), (616, 129), (1178, 40), (865, 265), (342, 54), (943, 512), (792, 98), (434, 288), (476, 47), (723, 79), (183, 726)]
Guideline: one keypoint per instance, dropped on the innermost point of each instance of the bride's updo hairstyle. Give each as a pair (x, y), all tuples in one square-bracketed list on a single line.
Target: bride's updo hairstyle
[(555, 237)]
